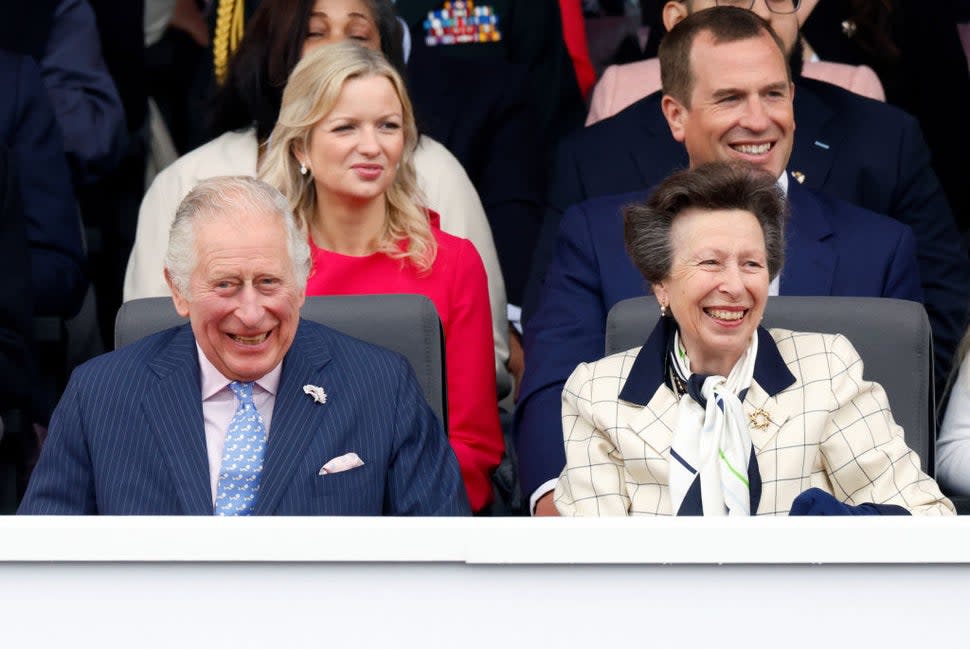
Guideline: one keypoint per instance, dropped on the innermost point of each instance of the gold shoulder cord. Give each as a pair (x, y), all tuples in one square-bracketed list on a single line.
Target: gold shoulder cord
[(229, 31)]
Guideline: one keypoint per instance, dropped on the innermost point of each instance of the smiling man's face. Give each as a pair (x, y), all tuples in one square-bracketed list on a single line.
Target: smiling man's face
[(243, 300), (740, 104)]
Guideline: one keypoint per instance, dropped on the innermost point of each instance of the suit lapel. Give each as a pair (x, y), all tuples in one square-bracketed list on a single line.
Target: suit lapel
[(655, 423), (766, 413), (174, 412), (814, 147), (296, 417), (655, 416), (810, 259)]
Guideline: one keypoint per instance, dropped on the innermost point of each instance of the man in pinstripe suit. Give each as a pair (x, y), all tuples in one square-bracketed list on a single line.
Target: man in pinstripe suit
[(141, 430)]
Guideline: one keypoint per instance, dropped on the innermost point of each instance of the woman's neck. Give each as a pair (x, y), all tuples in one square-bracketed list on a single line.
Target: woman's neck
[(349, 228), (711, 364)]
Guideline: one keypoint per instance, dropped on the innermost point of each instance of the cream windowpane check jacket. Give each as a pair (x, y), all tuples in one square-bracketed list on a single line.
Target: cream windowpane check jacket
[(827, 428)]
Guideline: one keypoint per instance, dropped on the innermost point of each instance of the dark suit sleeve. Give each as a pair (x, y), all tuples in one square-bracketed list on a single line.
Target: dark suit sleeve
[(565, 189), (423, 477), (53, 224), (566, 330), (63, 481), (84, 96)]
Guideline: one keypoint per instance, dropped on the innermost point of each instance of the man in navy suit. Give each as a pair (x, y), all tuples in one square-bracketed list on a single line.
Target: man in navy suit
[(849, 147), (29, 130), (342, 425), (729, 98)]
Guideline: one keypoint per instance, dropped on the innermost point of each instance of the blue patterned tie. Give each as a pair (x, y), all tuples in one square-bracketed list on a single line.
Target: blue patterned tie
[(242, 456)]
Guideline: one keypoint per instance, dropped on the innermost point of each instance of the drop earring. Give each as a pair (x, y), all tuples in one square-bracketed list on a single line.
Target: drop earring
[(303, 169), (663, 310)]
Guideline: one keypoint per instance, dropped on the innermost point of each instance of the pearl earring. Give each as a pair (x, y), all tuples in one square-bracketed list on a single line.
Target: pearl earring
[(302, 169), (663, 310)]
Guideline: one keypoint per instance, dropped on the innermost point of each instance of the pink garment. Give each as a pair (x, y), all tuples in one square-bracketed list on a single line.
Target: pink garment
[(622, 85), (457, 286)]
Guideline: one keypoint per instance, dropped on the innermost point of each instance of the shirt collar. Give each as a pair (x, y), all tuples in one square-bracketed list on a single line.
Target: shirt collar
[(783, 181), (213, 381), (649, 369)]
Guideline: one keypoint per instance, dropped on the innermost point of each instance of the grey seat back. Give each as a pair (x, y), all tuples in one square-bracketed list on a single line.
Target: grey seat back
[(892, 337), (407, 324)]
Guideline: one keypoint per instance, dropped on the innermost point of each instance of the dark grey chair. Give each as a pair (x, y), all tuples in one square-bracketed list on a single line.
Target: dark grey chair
[(407, 324), (892, 337)]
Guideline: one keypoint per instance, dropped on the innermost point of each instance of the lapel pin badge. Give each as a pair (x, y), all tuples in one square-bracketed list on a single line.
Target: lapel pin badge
[(315, 391), (799, 176)]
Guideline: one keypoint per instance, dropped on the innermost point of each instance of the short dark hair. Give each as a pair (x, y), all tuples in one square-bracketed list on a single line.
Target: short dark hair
[(726, 25), (713, 186), (267, 54)]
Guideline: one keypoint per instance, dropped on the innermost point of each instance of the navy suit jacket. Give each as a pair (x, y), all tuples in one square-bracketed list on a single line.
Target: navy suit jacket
[(833, 248), (855, 149), (30, 132), (128, 435)]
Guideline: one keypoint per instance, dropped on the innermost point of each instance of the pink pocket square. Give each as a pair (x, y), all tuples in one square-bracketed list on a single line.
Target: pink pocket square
[(342, 463)]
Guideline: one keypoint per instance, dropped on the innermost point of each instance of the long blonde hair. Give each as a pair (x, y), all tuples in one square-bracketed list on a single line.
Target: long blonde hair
[(310, 94)]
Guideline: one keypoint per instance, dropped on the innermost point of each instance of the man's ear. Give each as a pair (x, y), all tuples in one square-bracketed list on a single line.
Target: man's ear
[(674, 12), (676, 114), (181, 302)]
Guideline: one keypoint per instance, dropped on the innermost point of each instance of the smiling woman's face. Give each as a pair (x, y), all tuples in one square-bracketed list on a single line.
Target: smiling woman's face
[(332, 21), (717, 286), (354, 151)]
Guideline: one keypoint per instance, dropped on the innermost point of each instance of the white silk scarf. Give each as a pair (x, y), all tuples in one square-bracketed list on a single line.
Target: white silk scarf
[(712, 443)]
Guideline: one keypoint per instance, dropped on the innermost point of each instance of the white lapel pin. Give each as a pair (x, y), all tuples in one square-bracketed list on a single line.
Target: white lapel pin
[(799, 176), (316, 392)]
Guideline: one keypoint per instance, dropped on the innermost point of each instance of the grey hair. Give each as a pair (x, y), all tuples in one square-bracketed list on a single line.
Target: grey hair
[(226, 196), (712, 186)]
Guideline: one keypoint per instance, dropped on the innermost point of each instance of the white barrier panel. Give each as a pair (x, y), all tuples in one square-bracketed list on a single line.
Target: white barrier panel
[(468, 583)]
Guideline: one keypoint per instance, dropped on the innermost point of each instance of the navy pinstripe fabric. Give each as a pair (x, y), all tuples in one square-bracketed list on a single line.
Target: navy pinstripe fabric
[(128, 436)]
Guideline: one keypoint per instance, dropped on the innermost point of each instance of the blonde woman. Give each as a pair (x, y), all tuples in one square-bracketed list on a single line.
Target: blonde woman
[(342, 152), (244, 112)]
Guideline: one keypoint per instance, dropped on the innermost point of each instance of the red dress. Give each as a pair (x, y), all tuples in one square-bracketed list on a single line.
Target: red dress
[(457, 286)]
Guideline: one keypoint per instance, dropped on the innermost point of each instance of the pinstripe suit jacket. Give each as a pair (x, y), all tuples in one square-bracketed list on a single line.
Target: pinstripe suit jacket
[(827, 428), (128, 436)]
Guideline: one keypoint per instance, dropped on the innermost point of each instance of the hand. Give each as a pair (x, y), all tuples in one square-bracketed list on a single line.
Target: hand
[(545, 506), (190, 20), (516, 362)]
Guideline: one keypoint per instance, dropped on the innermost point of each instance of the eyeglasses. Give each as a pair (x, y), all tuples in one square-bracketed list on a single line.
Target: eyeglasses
[(774, 6)]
